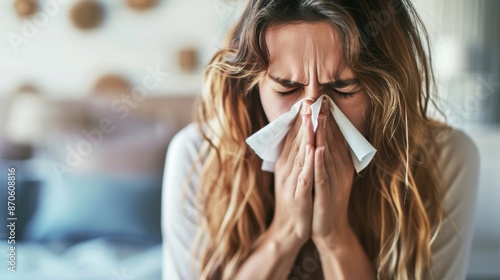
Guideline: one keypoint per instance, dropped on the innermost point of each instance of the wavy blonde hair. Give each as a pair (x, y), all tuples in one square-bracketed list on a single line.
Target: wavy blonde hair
[(397, 197)]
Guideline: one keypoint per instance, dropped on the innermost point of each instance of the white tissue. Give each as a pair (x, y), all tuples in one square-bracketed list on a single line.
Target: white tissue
[(268, 141)]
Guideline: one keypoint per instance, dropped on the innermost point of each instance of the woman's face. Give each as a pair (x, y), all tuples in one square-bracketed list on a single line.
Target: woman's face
[(306, 60)]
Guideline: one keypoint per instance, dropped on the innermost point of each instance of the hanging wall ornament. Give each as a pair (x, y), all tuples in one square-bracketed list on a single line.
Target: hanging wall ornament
[(188, 59), (28, 88), (141, 4), (26, 8), (111, 84), (87, 14)]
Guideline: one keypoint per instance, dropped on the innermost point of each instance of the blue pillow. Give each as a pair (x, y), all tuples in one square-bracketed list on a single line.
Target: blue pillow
[(81, 207)]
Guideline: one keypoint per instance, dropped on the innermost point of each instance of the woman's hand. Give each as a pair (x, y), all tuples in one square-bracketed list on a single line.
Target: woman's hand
[(333, 178), (294, 177)]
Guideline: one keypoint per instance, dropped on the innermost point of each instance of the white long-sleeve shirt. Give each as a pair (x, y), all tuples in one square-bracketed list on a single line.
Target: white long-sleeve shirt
[(459, 163)]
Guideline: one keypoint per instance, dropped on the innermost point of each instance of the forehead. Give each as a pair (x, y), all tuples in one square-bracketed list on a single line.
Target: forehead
[(299, 50)]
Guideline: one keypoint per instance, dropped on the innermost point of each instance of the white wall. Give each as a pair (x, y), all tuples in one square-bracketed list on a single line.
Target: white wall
[(64, 61)]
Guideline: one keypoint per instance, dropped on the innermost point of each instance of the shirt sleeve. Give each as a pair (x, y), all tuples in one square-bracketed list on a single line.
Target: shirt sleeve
[(460, 166), (179, 222)]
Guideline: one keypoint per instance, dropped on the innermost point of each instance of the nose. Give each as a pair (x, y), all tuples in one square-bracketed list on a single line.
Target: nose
[(312, 92), (311, 95)]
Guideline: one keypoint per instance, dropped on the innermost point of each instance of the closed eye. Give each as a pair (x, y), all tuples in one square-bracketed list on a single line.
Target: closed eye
[(333, 86), (342, 94), (290, 92)]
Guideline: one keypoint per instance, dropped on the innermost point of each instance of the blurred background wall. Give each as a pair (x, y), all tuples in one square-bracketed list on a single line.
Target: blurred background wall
[(64, 61), (66, 66), (466, 43)]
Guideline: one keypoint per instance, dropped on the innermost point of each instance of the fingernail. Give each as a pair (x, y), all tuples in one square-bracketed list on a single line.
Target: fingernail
[(308, 150)]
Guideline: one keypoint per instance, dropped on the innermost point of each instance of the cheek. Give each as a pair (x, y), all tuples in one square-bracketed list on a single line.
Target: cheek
[(357, 110), (274, 105), (265, 101)]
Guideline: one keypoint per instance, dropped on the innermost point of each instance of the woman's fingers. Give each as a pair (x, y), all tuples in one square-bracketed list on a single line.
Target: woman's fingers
[(293, 155), (294, 178), (307, 131), (303, 164), (322, 162), (306, 176), (322, 192), (324, 136), (320, 131)]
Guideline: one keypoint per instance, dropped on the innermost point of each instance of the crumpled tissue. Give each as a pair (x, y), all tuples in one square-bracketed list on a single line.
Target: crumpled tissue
[(269, 140)]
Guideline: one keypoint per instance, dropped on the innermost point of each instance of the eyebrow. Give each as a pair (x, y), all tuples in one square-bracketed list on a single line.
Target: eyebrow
[(333, 84)]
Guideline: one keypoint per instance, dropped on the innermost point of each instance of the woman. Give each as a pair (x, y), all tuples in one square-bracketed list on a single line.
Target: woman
[(408, 215)]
